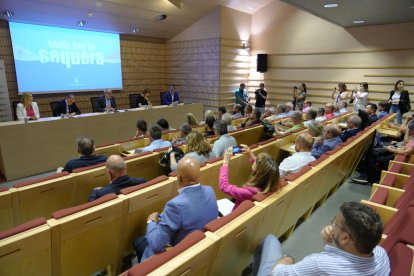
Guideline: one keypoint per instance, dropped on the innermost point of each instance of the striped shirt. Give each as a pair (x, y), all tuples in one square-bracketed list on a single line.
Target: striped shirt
[(334, 261)]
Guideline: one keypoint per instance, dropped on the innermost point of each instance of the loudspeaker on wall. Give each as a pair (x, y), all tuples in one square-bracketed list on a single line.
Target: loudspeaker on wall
[(261, 63)]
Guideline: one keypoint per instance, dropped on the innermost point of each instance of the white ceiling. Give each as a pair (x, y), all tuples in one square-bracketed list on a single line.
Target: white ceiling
[(373, 12)]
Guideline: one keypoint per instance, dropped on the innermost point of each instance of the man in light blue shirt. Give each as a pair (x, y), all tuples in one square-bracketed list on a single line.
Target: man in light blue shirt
[(225, 141), (351, 248), (155, 138), (241, 97)]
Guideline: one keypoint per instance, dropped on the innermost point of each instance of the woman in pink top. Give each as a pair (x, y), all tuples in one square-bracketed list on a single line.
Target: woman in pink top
[(265, 174)]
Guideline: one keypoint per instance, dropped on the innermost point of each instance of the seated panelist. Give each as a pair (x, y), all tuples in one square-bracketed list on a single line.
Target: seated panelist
[(67, 107), (27, 108), (106, 102), (143, 99), (171, 96)]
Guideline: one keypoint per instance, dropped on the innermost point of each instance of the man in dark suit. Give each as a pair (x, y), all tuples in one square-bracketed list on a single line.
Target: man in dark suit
[(118, 178), (190, 210), (67, 107), (106, 102), (170, 97), (353, 127), (86, 147)]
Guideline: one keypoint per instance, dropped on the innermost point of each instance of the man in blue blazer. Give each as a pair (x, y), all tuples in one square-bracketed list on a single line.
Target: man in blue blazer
[(170, 97), (106, 102), (353, 127), (192, 209), (328, 142), (67, 107), (118, 178)]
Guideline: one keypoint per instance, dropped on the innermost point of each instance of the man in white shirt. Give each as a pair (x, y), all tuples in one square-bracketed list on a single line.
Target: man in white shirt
[(225, 141), (301, 158), (351, 248), (237, 109), (155, 138), (227, 118)]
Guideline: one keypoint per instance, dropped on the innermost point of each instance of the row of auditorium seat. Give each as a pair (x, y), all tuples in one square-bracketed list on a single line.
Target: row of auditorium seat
[(93, 231)]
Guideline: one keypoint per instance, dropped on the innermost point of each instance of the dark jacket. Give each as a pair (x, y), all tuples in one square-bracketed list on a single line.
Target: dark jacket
[(116, 186), (102, 104), (84, 161), (404, 103), (61, 108), (349, 133)]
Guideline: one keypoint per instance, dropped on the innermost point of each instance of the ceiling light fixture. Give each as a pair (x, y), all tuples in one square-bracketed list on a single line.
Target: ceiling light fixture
[(136, 30), (90, 14), (81, 23), (6, 13), (358, 21), (332, 5), (161, 17), (98, 4)]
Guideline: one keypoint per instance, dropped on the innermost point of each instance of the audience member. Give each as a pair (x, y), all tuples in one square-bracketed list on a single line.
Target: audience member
[(310, 117), (289, 109), (227, 118), (248, 110), (198, 149), (336, 111), (163, 123), (281, 111), (209, 131), (339, 93), (263, 179), (382, 108), (302, 157), (353, 127), (315, 129), (307, 105), (225, 141), (118, 178), (222, 110), (106, 103), (371, 109), (408, 148), (329, 140), (343, 107), (143, 99), (185, 129), (67, 107), (86, 147), (399, 100), (237, 111), (191, 120), (364, 118), (170, 97), (142, 129), (297, 122), (329, 108), (253, 119), (193, 207), (27, 108), (360, 97), (301, 96), (320, 114), (155, 138), (260, 96), (241, 96), (351, 248)]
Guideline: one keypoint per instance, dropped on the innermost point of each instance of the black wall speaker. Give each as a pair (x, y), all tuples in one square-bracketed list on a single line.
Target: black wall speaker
[(261, 63)]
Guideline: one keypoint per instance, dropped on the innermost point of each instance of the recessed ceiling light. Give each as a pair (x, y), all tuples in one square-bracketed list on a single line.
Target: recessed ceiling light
[(6, 13), (81, 23), (359, 21), (161, 17), (90, 14), (136, 30), (332, 5), (98, 4)]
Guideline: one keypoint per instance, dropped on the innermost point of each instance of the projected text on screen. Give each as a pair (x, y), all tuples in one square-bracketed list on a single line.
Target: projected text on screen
[(50, 59)]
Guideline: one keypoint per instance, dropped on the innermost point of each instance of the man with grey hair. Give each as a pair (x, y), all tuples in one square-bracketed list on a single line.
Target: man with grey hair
[(106, 102), (155, 138), (237, 109), (225, 141), (227, 118), (118, 178), (353, 127), (297, 122), (329, 140), (281, 111), (86, 147), (67, 107), (184, 131)]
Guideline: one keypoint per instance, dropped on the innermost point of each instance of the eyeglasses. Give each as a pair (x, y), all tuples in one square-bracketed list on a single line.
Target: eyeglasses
[(333, 223)]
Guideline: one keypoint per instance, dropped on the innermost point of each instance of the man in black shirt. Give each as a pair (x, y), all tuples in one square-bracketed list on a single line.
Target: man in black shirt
[(261, 96)]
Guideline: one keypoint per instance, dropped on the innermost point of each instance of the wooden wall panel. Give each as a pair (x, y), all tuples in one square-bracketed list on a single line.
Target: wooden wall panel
[(142, 67)]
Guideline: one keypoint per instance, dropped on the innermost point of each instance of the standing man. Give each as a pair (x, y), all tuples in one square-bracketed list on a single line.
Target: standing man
[(170, 97), (261, 96), (241, 97), (351, 248), (190, 210), (106, 102), (67, 107)]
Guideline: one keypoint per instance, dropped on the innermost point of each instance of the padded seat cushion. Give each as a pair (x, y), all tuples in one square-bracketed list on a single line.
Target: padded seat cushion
[(22, 228), (260, 197), (3, 189), (401, 259), (158, 260), (216, 224), (335, 150), (30, 182), (319, 160), (89, 167), (388, 180), (396, 168), (401, 158), (293, 176), (267, 141), (138, 187), (380, 196), (72, 210)]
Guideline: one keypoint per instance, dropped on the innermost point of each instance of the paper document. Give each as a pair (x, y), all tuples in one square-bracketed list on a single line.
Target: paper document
[(225, 206)]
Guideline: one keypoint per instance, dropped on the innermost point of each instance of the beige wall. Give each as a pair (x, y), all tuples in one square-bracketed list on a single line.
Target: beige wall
[(303, 47)]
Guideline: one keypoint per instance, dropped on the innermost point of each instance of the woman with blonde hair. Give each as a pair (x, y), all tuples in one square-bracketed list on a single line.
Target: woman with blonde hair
[(264, 177), (198, 148), (27, 108), (191, 120)]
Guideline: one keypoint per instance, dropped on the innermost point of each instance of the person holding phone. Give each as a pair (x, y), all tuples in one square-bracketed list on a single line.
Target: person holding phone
[(264, 177), (360, 96), (339, 93)]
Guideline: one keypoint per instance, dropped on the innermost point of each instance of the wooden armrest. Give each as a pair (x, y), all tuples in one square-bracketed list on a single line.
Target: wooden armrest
[(385, 212)]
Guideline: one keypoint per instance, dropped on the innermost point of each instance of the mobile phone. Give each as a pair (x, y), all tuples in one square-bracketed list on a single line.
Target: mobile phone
[(236, 150)]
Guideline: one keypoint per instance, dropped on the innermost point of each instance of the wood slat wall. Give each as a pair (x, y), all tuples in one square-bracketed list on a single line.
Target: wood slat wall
[(142, 66)]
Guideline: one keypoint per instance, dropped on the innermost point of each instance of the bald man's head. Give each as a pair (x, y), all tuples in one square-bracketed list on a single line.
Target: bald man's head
[(188, 172), (304, 142), (116, 166)]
